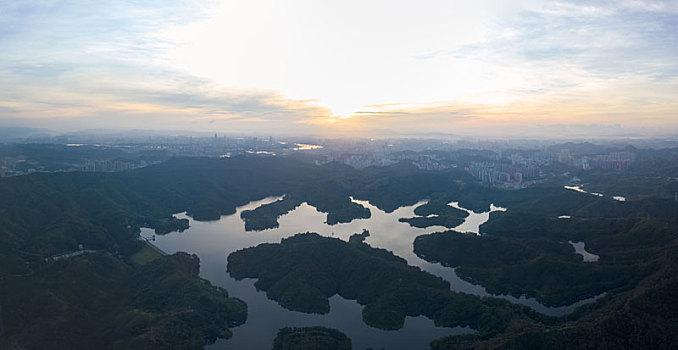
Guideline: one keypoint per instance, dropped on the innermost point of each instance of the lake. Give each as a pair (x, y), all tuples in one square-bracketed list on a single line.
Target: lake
[(580, 248), (214, 241)]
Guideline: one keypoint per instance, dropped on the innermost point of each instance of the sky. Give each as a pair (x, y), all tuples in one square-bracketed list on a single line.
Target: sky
[(520, 68)]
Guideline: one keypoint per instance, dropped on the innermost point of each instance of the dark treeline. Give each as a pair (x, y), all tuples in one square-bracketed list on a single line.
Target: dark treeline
[(45, 214), (436, 213), (303, 271), (97, 301), (309, 338)]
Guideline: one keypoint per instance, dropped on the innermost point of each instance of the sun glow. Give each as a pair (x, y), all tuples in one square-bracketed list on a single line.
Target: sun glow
[(304, 51), (303, 66)]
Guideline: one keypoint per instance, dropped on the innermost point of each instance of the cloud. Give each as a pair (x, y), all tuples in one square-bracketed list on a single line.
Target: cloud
[(132, 97), (74, 66), (558, 115), (300, 67)]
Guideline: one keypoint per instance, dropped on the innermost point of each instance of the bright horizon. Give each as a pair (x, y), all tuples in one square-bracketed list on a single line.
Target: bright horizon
[(496, 68)]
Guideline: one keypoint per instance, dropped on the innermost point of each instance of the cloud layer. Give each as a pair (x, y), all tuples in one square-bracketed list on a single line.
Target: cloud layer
[(354, 67)]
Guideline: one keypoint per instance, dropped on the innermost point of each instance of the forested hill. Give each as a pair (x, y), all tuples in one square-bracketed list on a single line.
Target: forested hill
[(43, 215), (47, 214)]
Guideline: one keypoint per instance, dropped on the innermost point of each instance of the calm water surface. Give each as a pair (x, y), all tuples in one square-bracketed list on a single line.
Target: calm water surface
[(214, 241), (580, 248)]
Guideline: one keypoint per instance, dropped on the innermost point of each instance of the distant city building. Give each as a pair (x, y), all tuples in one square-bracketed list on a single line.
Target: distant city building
[(112, 165), (504, 175), (613, 161)]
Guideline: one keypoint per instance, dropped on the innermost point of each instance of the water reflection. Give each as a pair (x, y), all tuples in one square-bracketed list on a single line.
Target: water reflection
[(388, 233), (581, 190), (214, 241), (579, 248), (474, 220)]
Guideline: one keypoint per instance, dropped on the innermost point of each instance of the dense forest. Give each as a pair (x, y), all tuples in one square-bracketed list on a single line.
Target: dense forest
[(160, 302), (308, 338), (436, 213), (303, 271)]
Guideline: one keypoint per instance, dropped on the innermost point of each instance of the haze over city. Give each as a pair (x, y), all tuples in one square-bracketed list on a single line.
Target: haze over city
[(494, 68)]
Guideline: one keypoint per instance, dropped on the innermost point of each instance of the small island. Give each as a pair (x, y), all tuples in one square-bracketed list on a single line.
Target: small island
[(266, 216), (338, 209), (303, 271), (436, 213)]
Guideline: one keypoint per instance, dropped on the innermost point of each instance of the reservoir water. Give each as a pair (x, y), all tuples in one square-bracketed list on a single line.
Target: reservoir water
[(214, 241), (579, 188), (580, 248)]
